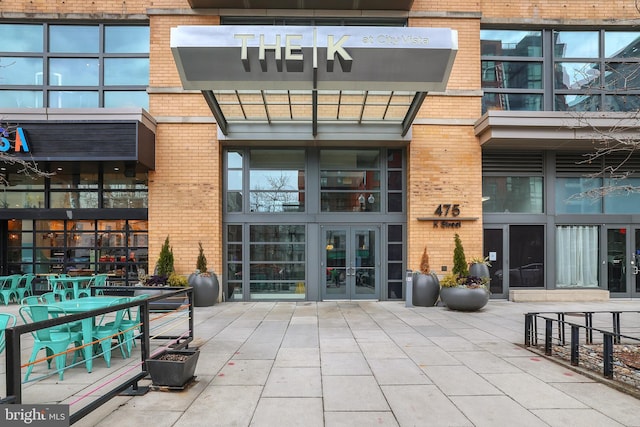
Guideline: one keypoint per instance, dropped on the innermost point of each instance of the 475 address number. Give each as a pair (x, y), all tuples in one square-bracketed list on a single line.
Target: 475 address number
[(447, 210)]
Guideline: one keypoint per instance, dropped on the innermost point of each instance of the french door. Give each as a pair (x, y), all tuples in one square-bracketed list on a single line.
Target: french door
[(351, 262)]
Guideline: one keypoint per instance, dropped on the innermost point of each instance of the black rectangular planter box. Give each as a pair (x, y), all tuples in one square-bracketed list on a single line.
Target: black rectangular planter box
[(173, 368)]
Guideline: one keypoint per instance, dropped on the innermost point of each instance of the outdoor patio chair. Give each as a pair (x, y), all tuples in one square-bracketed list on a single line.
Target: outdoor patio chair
[(49, 298), (60, 288), (25, 285), (30, 300), (129, 324), (6, 321), (106, 332), (9, 288), (55, 341)]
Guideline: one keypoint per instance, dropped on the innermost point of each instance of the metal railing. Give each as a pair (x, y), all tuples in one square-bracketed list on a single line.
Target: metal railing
[(14, 334), (563, 338)]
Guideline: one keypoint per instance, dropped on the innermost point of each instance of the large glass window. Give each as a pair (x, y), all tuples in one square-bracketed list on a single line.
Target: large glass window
[(277, 261), (515, 194), (116, 247), (350, 180), (82, 62), (572, 196), (588, 70), (65, 190), (577, 256), (624, 199), (277, 181)]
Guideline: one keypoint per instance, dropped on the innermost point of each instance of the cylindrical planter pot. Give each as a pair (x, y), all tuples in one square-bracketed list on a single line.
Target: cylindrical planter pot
[(464, 299), (205, 289), (426, 289), (479, 270)]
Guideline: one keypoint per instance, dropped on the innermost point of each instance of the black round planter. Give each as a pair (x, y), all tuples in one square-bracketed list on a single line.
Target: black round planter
[(426, 289), (464, 299), (479, 270), (205, 289)]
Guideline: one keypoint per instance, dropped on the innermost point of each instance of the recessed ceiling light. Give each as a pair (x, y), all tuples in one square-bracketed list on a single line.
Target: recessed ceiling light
[(116, 169)]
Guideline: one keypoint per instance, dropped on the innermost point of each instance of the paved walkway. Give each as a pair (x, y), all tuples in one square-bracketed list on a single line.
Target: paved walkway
[(374, 363)]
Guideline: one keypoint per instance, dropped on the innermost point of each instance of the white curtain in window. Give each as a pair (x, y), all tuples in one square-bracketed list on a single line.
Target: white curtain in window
[(577, 257)]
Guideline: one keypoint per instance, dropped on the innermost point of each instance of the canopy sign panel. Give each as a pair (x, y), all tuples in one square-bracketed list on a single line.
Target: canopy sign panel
[(313, 58)]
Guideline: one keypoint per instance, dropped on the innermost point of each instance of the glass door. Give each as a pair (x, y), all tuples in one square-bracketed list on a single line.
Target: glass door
[(351, 262), (622, 257), (493, 249)]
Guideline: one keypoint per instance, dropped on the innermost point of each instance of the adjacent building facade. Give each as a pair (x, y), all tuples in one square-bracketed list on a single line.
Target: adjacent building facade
[(315, 148)]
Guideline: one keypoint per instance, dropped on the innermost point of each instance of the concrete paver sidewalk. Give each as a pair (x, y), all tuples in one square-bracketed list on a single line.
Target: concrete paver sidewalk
[(374, 363)]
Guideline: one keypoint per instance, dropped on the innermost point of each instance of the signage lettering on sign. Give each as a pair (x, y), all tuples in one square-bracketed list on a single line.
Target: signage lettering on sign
[(21, 143), (292, 50)]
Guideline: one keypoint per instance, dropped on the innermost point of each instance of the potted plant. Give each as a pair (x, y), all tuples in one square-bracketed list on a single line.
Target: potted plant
[(460, 290), (165, 277), (173, 368), (204, 283), (426, 286), (480, 267)]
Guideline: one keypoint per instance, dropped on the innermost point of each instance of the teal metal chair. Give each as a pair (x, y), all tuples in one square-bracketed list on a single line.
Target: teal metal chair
[(106, 332), (6, 321), (60, 288), (55, 341), (9, 288), (30, 300), (99, 280), (49, 298), (129, 324), (25, 285)]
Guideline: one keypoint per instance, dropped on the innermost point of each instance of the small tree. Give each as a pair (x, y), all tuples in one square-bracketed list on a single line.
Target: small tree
[(460, 266), (201, 263), (424, 262), (165, 261)]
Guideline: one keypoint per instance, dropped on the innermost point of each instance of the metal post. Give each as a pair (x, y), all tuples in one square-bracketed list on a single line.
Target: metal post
[(616, 327), (12, 363), (607, 355), (575, 345), (528, 320), (588, 321), (548, 334), (561, 328), (408, 293)]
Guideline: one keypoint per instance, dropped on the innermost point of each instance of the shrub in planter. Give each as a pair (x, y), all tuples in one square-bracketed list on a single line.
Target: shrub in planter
[(173, 368), (426, 287)]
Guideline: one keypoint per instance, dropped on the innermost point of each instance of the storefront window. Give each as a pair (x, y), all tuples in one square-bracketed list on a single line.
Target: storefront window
[(512, 194), (572, 196), (577, 256), (277, 261), (118, 248), (21, 191)]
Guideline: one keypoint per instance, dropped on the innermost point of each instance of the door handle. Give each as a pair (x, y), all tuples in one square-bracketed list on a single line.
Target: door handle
[(635, 270)]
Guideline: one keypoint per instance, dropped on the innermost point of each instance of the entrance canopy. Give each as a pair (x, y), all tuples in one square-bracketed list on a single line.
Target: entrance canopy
[(325, 81)]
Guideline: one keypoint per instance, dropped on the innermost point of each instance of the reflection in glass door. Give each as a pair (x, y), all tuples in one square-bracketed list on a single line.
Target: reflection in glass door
[(351, 266), (493, 249), (623, 279)]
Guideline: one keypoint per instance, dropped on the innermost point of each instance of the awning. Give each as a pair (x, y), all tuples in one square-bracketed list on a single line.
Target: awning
[(367, 79)]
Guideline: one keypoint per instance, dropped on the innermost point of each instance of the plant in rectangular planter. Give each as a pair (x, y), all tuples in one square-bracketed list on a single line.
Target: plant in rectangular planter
[(173, 368)]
